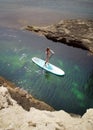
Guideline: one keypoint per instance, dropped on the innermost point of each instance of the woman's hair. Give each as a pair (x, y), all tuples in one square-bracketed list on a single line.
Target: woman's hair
[(47, 49)]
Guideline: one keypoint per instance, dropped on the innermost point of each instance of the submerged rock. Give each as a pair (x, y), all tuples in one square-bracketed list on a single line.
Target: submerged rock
[(77, 33)]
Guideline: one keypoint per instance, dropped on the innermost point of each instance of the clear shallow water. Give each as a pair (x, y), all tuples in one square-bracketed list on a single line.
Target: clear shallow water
[(72, 92)]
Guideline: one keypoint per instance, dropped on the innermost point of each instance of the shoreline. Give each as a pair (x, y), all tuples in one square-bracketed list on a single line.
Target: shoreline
[(26, 100), (74, 32), (14, 117), (23, 98)]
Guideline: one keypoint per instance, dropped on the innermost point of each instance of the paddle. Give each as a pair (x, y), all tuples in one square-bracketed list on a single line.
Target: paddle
[(52, 53)]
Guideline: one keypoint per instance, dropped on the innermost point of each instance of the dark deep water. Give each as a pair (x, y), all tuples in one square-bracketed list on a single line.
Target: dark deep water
[(16, 13), (72, 92)]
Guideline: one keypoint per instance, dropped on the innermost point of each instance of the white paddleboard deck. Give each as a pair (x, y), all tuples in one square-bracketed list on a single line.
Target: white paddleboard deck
[(48, 67)]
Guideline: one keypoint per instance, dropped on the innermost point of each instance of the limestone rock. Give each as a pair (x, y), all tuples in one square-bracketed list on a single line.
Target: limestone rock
[(5, 98), (23, 98), (14, 117), (74, 32)]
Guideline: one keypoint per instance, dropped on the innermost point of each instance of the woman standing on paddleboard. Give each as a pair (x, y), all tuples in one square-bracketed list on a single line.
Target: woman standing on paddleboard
[(49, 53)]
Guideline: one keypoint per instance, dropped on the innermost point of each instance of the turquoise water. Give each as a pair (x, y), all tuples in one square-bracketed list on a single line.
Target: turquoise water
[(72, 92)]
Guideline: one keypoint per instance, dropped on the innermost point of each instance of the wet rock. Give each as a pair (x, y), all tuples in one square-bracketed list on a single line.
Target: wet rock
[(76, 33)]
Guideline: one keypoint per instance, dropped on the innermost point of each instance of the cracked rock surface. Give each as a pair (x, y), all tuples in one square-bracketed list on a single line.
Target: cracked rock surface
[(75, 32)]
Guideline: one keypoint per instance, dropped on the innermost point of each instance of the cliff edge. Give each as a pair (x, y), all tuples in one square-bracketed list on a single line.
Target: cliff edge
[(23, 98), (75, 32), (14, 117)]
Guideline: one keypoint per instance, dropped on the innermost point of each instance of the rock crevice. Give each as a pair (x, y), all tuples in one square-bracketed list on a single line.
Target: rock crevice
[(76, 33)]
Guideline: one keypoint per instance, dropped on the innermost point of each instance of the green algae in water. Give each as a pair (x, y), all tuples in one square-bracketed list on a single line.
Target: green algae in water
[(78, 94), (60, 63), (76, 91), (77, 68), (12, 62), (68, 92), (89, 86)]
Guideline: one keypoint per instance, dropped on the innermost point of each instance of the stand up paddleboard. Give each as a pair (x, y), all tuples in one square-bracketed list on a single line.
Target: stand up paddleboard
[(48, 67)]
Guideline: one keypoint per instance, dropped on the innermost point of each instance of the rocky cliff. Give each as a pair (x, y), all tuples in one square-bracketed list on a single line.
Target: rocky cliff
[(23, 98), (77, 33), (14, 117)]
